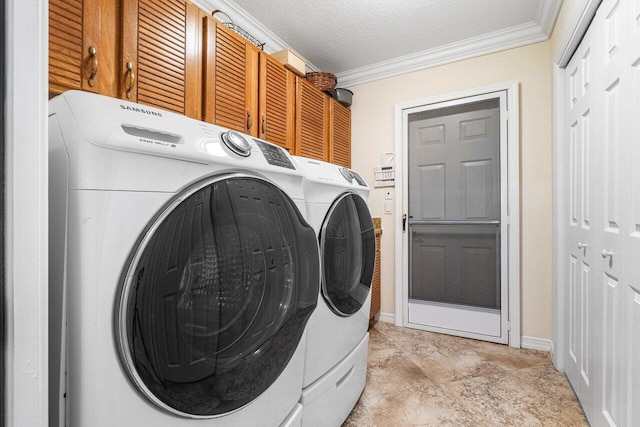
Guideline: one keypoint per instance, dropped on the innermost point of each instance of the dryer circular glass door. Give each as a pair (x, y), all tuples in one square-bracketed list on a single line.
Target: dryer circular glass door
[(347, 246), (217, 295)]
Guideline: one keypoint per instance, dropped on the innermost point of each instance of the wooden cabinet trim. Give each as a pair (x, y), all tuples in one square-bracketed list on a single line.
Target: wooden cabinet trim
[(129, 48)]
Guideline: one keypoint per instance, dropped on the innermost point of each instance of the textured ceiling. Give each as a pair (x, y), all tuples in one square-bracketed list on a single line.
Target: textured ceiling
[(343, 35)]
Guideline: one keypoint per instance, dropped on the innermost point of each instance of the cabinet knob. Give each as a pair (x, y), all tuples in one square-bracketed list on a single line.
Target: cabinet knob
[(94, 65), (131, 79), (582, 245)]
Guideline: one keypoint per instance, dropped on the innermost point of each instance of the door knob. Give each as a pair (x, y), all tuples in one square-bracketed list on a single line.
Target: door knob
[(605, 253), (582, 245)]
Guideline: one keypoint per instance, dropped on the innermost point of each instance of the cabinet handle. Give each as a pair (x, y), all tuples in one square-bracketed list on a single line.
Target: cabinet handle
[(264, 127), (94, 66), (605, 253), (249, 121), (131, 79), (582, 245)]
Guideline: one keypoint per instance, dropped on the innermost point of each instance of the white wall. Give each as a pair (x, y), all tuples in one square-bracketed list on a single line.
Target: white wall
[(373, 133)]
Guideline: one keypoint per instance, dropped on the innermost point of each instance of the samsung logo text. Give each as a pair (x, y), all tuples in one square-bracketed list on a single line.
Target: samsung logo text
[(141, 110)]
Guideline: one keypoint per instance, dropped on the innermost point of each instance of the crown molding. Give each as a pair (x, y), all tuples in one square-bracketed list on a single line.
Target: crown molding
[(532, 32), (548, 11), (488, 43), (244, 19)]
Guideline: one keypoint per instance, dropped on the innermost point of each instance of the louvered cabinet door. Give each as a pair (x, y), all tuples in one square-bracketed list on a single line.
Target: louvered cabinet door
[(230, 79), (312, 122), (82, 45), (277, 103), (160, 59), (340, 139)]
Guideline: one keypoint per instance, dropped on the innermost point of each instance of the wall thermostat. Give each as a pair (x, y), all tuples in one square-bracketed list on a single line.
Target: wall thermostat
[(385, 176)]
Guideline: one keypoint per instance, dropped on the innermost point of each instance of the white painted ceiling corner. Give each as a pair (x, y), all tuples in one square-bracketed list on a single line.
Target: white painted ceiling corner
[(367, 40)]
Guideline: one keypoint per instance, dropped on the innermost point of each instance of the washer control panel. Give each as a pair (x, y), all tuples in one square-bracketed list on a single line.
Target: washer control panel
[(236, 143), (274, 155)]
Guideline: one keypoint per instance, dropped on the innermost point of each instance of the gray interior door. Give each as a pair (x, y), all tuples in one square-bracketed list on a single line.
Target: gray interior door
[(454, 204), (454, 216)]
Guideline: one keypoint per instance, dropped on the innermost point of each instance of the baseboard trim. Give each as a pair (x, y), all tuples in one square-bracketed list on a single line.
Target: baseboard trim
[(387, 318), (533, 343)]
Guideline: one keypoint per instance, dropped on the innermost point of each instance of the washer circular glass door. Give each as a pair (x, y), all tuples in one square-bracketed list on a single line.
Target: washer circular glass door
[(217, 295), (347, 246)]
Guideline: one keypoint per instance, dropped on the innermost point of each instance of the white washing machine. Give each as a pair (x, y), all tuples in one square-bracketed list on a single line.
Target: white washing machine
[(183, 272), (337, 338)]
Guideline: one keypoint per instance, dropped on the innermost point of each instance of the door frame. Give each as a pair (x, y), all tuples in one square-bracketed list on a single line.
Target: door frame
[(513, 202), (26, 214), (575, 32)]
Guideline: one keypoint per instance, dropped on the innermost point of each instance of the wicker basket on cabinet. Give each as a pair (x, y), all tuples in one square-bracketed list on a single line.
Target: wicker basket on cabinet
[(323, 81)]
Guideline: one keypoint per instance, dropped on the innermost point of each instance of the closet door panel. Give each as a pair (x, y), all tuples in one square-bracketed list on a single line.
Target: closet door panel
[(602, 184), (613, 96), (582, 279), (632, 230)]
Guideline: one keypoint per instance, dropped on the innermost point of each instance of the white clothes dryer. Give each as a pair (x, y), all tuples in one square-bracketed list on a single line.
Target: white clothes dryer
[(183, 272), (337, 339)]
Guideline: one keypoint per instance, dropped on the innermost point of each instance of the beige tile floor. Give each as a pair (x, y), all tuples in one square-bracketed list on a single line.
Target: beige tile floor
[(418, 378)]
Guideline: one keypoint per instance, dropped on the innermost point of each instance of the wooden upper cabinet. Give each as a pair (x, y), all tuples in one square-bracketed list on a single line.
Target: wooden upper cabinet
[(172, 55), (83, 45), (161, 65), (312, 121), (277, 103), (340, 135), (230, 78)]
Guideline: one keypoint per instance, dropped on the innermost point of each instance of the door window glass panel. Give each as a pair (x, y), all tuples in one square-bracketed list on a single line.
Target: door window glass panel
[(348, 248), (217, 297)]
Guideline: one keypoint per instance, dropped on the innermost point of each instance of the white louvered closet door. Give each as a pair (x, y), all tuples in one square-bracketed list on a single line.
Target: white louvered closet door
[(602, 227)]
